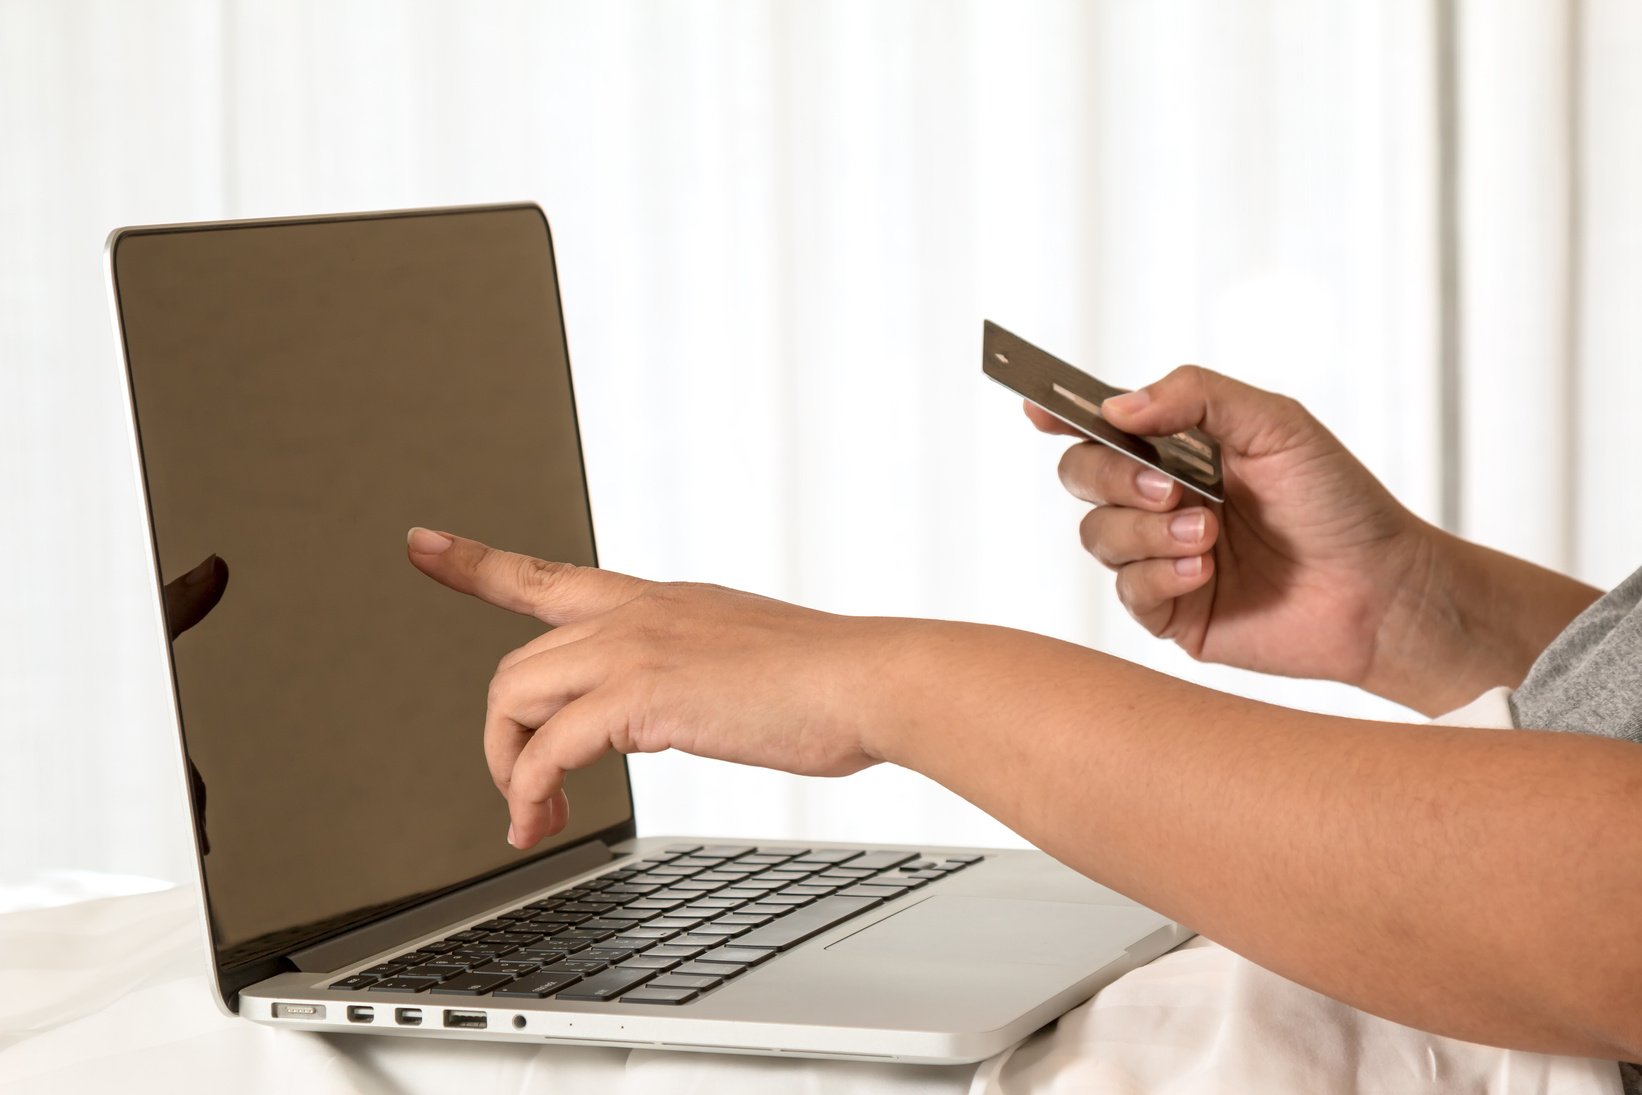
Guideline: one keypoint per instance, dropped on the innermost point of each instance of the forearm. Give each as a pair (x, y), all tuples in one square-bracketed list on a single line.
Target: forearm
[(1467, 619), (1427, 874)]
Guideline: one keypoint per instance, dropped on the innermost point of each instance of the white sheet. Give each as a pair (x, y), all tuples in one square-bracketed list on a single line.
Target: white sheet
[(110, 994)]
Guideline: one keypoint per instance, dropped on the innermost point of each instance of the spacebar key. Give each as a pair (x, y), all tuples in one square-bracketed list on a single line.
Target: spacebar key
[(811, 920)]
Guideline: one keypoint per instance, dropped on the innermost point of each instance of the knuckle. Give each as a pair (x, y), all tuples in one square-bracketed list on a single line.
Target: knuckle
[(1075, 468), (541, 575), (1093, 532)]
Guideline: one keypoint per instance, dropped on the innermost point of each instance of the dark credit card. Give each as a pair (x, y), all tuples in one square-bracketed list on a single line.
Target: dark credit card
[(1191, 458)]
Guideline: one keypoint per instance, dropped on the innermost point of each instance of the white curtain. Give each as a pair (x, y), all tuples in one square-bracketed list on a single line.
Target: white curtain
[(779, 227)]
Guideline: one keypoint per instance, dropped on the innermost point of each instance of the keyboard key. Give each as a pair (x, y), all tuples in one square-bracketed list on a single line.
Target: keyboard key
[(696, 939), (583, 935), (723, 931), (883, 893), (559, 916), (721, 878), (357, 981), (385, 969), (735, 895), (626, 915), (575, 965), (788, 899), (406, 984), (724, 851), (670, 950), (879, 861), (743, 920), (738, 956), (607, 985), (438, 948), (649, 961), (497, 925), (438, 973), (831, 855), (629, 943), (469, 936), (720, 970), (538, 985), (473, 984), (512, 969), (682, 849), (805, 923), (649, 995), (659, 904), (672, 923), (686, 981), (606, 954)]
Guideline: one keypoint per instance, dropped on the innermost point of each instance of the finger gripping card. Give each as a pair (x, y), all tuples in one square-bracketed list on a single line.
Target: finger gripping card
[(1191, 458)]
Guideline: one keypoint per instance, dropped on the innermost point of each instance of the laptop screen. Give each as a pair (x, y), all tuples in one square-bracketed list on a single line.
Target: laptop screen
[(305, 392)]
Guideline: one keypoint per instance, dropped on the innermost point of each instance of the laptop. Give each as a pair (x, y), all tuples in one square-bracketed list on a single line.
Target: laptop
[(304, 390)]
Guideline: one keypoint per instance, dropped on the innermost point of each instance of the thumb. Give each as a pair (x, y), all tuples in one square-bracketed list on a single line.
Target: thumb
[(1243, 418)]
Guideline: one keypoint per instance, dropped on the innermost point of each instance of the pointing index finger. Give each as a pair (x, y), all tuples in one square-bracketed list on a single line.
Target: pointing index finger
[(555, 593)]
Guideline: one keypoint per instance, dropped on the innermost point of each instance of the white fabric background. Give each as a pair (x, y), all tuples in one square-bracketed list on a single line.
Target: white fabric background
[(779, 226)]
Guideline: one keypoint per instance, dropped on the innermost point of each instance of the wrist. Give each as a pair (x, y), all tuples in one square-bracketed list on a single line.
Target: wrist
[(1464, 618)]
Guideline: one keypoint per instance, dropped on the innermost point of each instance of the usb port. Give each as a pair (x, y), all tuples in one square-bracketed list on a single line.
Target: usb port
[(361, 1013), (466, 1020), (408, 1017)]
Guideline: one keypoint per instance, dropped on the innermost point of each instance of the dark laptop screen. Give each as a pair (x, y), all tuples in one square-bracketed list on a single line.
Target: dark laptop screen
[(305, 392)]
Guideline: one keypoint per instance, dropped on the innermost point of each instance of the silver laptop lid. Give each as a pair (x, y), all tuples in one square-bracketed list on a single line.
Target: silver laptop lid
[(305, 390)]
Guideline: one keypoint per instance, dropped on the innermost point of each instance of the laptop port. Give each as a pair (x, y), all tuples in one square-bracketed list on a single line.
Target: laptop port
[(465, 1020), (408, 1017), (361, 1013)]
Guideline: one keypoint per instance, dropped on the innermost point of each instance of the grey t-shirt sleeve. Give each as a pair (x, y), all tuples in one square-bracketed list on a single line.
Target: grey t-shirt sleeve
[(1589, 680)]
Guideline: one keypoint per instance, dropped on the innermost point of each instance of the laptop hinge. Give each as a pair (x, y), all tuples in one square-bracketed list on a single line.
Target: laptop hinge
[(513, 886)]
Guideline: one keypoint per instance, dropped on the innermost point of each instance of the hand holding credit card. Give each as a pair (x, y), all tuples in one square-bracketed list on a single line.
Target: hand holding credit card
[(1073, 396)]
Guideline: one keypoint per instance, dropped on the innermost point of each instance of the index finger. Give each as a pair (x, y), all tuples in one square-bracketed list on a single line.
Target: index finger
[(555, 593)]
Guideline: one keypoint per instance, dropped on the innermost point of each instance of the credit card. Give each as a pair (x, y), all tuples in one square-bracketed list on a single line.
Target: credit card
[(1191, 458)]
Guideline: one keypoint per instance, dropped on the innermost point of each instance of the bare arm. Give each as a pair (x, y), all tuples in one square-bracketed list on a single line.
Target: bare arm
[(1430, 875)]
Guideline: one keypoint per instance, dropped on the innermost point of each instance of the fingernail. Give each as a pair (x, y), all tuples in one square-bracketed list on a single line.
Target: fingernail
[(510, 835), (1189, 567), (1128, 402), (1153, 484), (425, 541), (1187, 527)]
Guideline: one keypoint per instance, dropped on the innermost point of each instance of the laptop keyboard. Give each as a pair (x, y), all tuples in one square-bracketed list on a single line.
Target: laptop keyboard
[(661, 930)]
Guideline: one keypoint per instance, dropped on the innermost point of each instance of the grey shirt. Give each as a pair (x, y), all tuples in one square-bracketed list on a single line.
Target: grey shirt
[(1590, 680)]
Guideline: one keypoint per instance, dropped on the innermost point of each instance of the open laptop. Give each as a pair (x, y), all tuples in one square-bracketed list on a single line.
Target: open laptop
[(302, 392)]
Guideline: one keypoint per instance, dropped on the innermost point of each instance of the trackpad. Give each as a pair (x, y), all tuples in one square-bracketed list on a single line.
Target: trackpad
[(1004, 929)]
